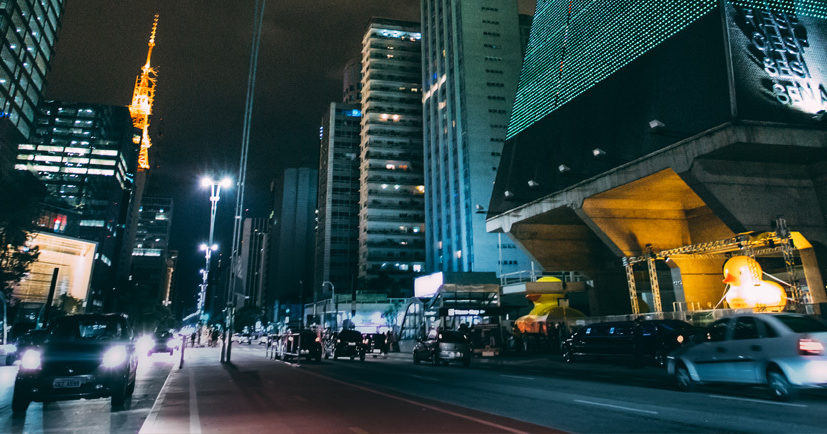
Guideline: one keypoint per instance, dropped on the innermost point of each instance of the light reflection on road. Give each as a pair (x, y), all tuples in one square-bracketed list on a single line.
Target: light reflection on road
[(93, 415)]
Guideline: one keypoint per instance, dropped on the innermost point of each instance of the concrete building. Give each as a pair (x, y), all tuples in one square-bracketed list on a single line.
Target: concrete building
[(337, 227), (391, 214), (471, 58), (352, 81), (657, 145), (151, 252), (84, 155), (255, 235), (292, 249), (29, 31)]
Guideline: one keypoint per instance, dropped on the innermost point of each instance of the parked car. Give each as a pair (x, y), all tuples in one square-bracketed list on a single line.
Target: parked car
[(242, 338), (443, 347), (783, 351), (83, 356), (305, 343), (263, 339), (347, 343), (644, 341)]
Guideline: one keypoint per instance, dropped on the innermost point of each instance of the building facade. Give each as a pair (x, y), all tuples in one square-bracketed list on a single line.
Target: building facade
[(337, 227), (471, 58), (292, 250), (255, 240), (28, 32), (391, 202), (151, 251), (84, 155), (651, 141)]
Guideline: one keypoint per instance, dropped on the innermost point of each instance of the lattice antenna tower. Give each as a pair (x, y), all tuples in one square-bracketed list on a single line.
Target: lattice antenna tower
[(142, 99)]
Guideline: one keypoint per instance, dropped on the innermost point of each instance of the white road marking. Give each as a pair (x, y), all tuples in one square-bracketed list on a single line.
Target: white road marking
[(762, 401), (618, 407), (522, 377), (149, 423), (421, 377), (195, 422)]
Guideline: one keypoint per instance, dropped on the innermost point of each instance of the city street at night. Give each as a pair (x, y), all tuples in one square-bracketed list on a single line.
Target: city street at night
[(526, 394)]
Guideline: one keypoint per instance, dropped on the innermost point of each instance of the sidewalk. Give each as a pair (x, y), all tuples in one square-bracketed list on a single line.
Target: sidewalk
[(256, 394)]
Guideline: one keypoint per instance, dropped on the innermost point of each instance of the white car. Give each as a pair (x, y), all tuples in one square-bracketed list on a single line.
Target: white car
[(783, 351)]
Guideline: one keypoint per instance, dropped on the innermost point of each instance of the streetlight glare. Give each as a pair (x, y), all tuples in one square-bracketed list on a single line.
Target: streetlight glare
[(203, 247), (214, 247), (206, 181), (226, 182)]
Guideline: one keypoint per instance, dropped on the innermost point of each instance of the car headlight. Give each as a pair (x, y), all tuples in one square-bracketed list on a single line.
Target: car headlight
[(114, 356), (144, 343), (30, 360)]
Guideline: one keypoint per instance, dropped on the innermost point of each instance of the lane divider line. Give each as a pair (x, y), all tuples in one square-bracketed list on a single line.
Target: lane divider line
[(523, 377), (761, 401), (195, 421), (149, 423), (419, 404), (617, 407)]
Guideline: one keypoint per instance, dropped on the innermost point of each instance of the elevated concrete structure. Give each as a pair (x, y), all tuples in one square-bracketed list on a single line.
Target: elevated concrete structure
[(734, 178)]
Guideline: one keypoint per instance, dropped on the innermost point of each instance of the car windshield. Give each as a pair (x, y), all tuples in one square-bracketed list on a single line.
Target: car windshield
[(87, 328), (452, 337), (802, 324)]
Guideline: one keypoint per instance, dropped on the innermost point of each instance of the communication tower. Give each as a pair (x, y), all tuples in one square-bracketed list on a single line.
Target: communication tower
[(142, 98)]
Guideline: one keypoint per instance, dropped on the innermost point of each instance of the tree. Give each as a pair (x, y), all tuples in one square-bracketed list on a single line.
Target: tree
[(21, 195)]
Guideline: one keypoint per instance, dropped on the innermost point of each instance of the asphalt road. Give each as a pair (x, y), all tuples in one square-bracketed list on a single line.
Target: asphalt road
[(86, 416), (536, 394)]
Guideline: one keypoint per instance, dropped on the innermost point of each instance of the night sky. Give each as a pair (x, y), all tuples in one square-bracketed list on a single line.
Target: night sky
[(202, 56)]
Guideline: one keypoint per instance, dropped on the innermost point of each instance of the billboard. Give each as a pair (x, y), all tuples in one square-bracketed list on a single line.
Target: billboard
[(779, 59)]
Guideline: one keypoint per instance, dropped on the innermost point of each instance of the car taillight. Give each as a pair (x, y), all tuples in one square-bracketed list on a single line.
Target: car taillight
[(810, 347)]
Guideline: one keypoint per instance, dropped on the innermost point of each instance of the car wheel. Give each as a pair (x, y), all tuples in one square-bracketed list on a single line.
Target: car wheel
[(318, 358), (568, 355), (416, 359), (435, 359), (362, 357), (683, 381), (780, 387), (19, 401), (119, 397)]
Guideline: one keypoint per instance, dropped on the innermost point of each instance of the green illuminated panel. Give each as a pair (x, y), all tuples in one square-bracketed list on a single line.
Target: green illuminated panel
[(575, 44)]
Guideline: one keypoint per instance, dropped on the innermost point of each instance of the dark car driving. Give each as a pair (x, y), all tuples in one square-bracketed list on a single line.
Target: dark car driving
[(443, 347), (646, 341), (83, 356), (347, 343), (163, 342), (304, 344)]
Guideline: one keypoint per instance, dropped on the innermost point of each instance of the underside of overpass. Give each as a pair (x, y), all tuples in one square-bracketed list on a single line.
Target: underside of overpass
[(733, 179)]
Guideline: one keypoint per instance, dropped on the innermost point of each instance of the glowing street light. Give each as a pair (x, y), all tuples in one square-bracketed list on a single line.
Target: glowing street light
[(210, 246)]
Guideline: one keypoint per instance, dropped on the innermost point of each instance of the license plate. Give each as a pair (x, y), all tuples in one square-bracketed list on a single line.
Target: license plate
[(351, 344), (65, 383)]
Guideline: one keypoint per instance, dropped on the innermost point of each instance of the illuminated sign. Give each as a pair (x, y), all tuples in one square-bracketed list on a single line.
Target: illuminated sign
[(779, 59), (73, 257), (427, 286)]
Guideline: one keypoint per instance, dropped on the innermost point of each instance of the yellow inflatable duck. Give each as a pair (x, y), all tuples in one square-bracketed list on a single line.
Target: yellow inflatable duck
[(747, 289)]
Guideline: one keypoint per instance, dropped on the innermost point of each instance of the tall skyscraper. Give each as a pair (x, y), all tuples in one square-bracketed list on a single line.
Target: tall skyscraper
[(295, 197), (471, 64), (255, 242), (84, 155), (352, 82), (28, 31), (151, 250), (337, 229), (391, 215)]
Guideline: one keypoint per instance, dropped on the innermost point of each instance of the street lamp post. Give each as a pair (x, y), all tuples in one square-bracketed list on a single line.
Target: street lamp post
[(215, 195), (335, 304)]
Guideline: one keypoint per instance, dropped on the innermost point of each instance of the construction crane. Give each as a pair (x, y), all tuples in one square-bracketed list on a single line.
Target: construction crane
[(142, 98)]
